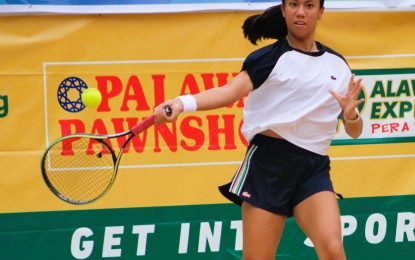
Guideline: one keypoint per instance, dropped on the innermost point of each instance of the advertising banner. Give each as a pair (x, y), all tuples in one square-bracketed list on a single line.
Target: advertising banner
[(165, 203), (167, 6)]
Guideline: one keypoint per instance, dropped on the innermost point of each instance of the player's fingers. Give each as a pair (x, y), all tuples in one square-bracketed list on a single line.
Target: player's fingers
[(356, 85), (164, 115), (360, 101), (159, 113), (357, 92), (351, 82)]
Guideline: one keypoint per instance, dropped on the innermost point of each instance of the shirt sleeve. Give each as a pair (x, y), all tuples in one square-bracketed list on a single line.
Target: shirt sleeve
[(260, 63)]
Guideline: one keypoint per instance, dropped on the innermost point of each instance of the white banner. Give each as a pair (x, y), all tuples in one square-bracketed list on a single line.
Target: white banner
[(174, 6)]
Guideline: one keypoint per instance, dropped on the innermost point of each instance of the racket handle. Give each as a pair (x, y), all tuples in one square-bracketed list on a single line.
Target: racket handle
[(168, 110), (146, 123)]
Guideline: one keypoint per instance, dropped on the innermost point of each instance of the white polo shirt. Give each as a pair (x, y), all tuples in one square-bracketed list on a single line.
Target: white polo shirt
[(291, 95)]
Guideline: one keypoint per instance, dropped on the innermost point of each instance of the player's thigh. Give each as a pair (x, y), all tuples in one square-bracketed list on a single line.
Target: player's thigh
[(262, 232), (319, 217)]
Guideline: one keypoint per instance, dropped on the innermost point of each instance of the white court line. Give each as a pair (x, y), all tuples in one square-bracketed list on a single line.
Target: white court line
[(92, 168), (386, 56), (376, 157), (140, 61), (179, 165), (45, 102), (169, 165)]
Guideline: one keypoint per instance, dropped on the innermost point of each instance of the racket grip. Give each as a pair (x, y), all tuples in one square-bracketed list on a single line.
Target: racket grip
[(168, 110), (146, 123)]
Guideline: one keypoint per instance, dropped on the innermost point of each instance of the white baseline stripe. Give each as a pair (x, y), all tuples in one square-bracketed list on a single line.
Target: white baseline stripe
[(386, 56), (169, 165), (45, 96), (351, 158), (375, 157), (140, 61), (179, 165)]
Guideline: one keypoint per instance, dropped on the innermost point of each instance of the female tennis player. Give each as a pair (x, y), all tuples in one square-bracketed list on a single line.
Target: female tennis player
[(297, 89)]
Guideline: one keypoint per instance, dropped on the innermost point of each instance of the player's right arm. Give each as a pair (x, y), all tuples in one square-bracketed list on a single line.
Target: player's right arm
[(210, 99)]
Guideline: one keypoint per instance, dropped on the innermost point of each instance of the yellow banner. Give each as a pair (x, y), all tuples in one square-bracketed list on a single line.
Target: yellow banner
[(137, 61)]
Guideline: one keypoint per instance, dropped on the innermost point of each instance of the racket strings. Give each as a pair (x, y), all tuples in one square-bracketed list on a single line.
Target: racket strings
[(79, 177)]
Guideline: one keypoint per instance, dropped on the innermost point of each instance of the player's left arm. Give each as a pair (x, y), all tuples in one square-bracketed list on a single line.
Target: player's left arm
[(353, 122)]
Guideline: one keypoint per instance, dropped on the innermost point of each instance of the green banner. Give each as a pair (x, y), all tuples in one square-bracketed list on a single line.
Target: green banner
[(198, 232)]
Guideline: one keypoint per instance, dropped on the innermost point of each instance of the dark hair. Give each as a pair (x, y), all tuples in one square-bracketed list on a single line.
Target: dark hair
[(268, 25)]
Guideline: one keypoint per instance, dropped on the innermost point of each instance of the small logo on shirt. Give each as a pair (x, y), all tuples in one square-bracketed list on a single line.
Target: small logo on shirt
[(246, 194), (333, 78)]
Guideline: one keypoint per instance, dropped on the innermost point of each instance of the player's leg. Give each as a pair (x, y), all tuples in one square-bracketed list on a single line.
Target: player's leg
[(262, 232), (319, 218)]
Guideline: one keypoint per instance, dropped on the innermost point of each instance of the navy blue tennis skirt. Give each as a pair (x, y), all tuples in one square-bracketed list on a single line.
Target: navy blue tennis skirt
[(276, 175)]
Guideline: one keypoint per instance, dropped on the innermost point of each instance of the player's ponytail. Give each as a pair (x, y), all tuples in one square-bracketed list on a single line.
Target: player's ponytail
[(268, 25)]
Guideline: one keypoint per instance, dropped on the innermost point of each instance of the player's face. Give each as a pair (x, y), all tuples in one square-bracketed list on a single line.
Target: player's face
[(302, 16)]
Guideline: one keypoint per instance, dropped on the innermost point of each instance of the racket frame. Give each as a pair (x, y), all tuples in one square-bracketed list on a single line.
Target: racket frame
[(100, 139), (143, 125)]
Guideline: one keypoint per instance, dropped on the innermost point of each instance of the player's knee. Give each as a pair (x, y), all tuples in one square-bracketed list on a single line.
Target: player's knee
[(258, 255), (335, 251), (259, 251), (332, 249)]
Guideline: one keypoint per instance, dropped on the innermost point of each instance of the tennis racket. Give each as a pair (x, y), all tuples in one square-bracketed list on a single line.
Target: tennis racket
[(81, 168)]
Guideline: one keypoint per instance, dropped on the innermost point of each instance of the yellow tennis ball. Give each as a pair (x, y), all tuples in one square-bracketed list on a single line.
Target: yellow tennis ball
[(91, 97)]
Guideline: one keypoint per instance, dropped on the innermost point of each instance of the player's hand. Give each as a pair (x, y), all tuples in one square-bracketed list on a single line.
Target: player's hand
[(161, 115), (349, 102)]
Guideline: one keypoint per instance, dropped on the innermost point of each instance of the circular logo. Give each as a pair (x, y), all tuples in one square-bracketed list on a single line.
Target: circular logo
[(69, 94)]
